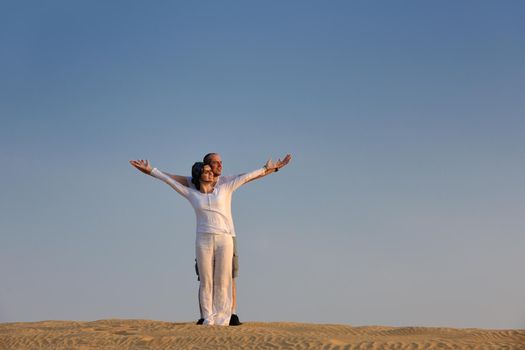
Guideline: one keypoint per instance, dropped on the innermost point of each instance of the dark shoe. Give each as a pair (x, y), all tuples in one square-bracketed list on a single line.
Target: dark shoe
[(201, 321), (234, 320)]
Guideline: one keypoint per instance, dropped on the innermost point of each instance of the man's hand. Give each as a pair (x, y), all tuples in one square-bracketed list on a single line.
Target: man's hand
[(142, 165), (270, 165), (280, 163)]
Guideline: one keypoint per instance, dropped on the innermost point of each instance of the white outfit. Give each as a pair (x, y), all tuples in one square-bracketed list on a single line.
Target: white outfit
[(213, 244)]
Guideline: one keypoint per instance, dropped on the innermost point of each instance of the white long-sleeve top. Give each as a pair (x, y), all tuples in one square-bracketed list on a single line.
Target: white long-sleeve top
[(212, 210)]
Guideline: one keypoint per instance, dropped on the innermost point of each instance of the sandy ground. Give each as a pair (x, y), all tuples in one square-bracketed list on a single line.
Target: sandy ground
[(144, 334)]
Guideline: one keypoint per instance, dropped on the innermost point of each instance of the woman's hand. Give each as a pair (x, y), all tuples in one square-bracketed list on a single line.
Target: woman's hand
[(142, 165)]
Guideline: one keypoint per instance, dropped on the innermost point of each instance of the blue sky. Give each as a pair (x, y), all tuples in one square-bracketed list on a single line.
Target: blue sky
[(403, 204)]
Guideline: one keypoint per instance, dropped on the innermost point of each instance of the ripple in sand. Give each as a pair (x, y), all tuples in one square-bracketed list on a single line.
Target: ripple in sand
[(137, 334)]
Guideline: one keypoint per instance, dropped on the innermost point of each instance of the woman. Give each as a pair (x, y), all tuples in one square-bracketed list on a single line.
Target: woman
[(214, 243)]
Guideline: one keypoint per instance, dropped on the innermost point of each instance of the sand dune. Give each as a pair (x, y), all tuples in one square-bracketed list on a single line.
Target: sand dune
[(144, 334)]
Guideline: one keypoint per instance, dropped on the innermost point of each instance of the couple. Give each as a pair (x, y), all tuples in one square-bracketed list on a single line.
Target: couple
[(210, 195)]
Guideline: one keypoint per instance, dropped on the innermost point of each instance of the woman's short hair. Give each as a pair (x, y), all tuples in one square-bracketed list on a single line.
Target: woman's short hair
[(196, 172)]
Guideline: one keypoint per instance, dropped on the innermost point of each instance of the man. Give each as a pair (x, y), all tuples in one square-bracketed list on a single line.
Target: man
[(214, 160)]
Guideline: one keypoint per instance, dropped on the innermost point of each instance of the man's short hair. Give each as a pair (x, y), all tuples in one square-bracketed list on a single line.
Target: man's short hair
[(206, 160)]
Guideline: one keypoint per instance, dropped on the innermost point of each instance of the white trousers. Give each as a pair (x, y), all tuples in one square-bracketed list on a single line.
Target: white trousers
[(214, 254)]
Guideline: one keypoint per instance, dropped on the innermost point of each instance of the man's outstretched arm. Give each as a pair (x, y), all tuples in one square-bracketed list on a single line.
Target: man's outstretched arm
[(273, 167)]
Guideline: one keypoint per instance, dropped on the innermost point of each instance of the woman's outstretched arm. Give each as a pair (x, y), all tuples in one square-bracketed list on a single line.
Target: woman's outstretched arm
[(142, 165), (145, 167), (183, 180)]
